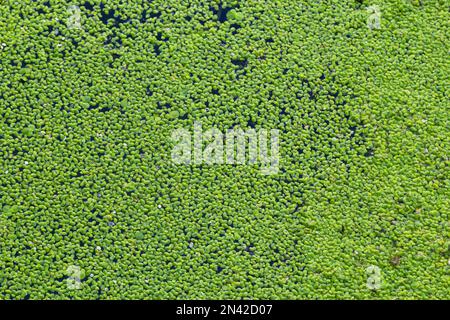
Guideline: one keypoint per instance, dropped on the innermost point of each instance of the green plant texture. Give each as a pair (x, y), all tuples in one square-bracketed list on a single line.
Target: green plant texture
[(90, 93)]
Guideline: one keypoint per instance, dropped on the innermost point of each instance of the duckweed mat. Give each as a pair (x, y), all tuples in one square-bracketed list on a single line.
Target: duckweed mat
[(93, 207)]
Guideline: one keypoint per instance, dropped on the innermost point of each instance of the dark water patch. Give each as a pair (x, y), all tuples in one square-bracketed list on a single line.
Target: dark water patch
[(156, 48), (234, 27), (241, 63), (88, 6), (221, 13), (111, 17)]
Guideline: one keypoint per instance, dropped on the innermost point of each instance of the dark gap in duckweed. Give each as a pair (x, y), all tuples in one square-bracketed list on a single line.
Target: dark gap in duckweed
[(352, 130), (106, 18), (156, 48), (143, 17), (213, 10), (251, 124), (93, 106), (155, 15), (221, 12), (334, 95), (234, 27), (240, 63), (113, 40), (250, 250), (369, 153), (159, 37), (89, 6), (74, 42)]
